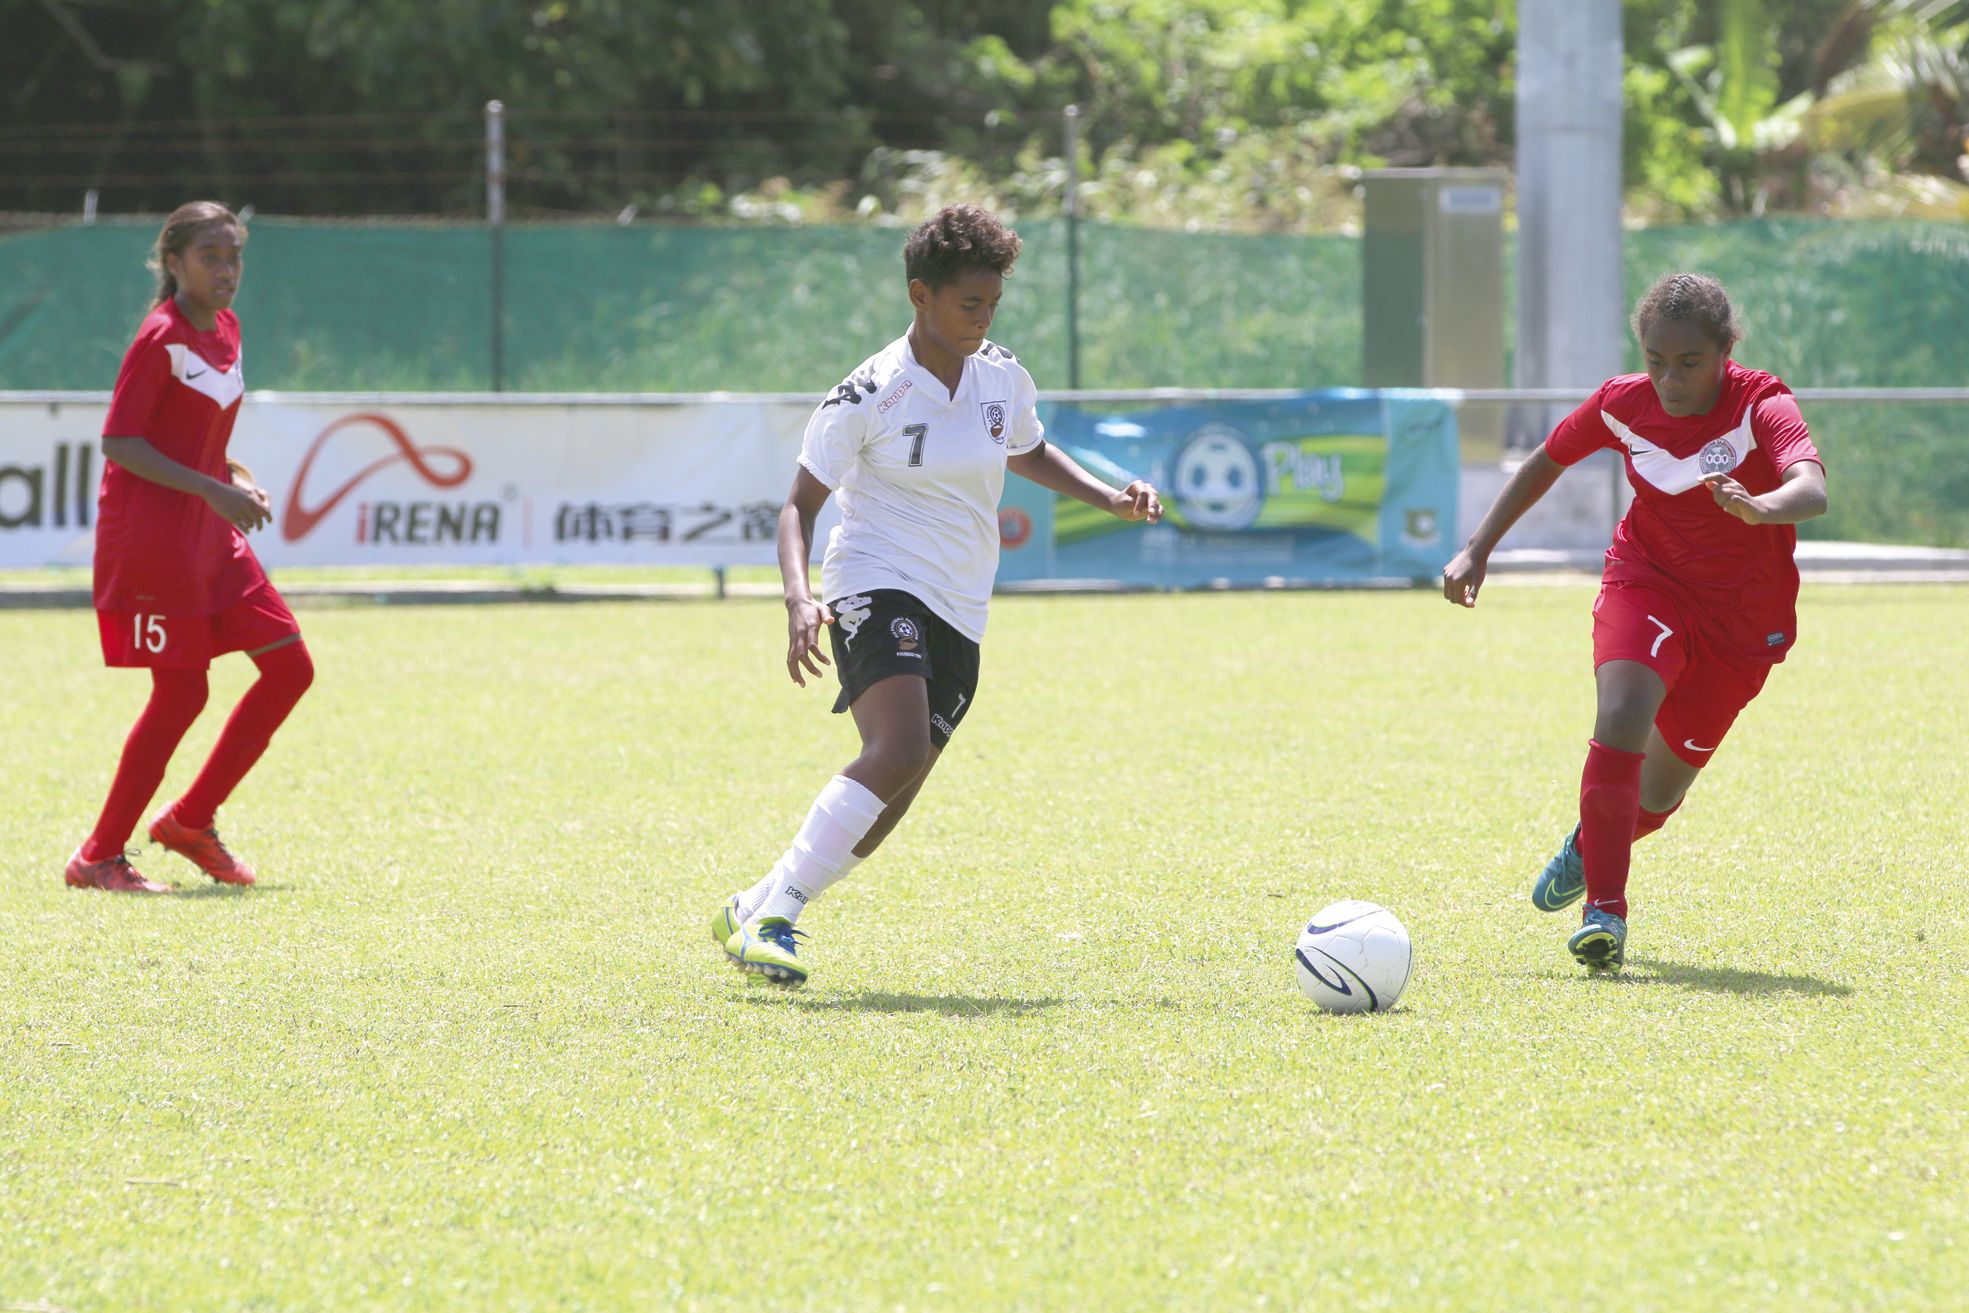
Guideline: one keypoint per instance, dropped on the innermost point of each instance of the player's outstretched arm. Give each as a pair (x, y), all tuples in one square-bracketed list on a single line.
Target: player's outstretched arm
[(1799, 496), (1464, 575), (227, 500), (1054, 470), (804, 614)]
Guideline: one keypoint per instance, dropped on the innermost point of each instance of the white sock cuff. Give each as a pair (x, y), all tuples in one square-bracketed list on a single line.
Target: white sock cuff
[(848, 802)]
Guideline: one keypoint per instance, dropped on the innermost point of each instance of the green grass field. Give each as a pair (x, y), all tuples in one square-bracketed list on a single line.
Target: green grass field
[(468, 1045)]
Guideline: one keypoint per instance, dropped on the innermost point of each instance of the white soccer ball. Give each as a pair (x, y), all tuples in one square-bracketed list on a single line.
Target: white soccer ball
[(1354, 957)]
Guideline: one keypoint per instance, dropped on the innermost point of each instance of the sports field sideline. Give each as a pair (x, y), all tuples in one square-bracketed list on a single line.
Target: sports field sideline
[(468, 1043)]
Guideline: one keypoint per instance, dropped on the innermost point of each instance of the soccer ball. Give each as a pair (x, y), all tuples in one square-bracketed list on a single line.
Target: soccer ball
[(1354, 957)]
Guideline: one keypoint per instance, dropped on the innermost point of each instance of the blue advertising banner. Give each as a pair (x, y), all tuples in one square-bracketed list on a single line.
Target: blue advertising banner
[(1336, 486)]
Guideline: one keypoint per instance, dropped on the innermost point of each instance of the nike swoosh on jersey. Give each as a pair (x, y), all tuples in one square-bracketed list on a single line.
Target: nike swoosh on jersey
[(223, 386), (1693, 746), (1677, 474)]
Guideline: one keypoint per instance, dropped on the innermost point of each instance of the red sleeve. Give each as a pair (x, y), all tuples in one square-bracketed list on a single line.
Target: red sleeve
[(139, 387), (1781, 430), (1582, 433)]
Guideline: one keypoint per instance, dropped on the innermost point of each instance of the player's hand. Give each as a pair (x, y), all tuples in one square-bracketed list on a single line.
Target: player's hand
[(804, 619), (245, 510), (1463, 576), (1734, 498), (1138, 501)]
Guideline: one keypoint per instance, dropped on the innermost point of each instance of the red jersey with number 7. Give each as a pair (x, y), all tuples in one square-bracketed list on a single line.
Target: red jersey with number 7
[(1741, 578), (159, 550)]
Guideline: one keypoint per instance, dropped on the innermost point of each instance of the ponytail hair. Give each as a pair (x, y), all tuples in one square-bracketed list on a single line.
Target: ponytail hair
[(184, 224)]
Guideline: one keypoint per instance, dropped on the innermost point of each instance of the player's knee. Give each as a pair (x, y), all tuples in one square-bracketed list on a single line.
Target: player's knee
[(180, 694), (899, 760), (299, 670), (1624, 718), (289, 669)]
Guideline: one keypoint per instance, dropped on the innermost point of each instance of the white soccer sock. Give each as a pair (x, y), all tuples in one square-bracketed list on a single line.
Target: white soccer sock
[(750, 901), (823, 850)]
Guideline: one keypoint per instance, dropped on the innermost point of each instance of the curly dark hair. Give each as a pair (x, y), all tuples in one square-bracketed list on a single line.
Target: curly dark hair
[(1695, 298), (958, 240)]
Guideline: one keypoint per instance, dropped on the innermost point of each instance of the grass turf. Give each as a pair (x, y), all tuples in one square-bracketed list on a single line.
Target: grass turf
[(468, 1044)]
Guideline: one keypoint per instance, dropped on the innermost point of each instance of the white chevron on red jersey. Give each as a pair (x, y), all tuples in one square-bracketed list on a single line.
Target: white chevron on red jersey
[(1672, 473), (1741, 576)]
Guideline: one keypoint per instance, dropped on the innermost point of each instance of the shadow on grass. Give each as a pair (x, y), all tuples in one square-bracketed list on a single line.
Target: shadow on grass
[(227, 890), (1723, 980), (950, 1005)]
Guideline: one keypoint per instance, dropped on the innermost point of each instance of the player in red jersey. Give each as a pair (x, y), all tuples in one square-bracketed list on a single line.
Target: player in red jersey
[(175, 582), (1699, 597)]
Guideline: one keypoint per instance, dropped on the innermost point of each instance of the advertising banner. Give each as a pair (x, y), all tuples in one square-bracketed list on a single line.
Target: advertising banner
[(445, 483), (1321, 487), (1333, 486)]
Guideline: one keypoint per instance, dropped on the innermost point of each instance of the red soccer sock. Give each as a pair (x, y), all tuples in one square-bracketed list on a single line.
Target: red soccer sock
[(1649, 821), (1609, 808), (176, 698), (285, 673)]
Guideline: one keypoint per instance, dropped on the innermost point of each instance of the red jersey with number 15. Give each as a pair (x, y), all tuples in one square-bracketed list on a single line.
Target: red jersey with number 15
[(1740, 577), (159, 550)]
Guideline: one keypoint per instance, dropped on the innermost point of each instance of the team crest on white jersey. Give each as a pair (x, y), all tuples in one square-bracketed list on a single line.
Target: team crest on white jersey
[(994, 418), (851, 613)]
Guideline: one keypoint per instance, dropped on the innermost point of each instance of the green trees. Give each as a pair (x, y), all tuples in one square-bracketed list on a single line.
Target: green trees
[(1245, 113)]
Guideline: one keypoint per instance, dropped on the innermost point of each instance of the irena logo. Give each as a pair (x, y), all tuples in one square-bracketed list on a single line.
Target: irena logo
[(299, 518)]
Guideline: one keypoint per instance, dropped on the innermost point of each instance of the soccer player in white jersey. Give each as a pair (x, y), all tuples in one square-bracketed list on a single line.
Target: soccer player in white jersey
[(917, 441)]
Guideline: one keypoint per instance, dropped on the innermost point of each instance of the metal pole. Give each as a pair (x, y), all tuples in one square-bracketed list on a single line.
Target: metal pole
[(1571, 299), (89, 206), (1073, 245), (495, 218)]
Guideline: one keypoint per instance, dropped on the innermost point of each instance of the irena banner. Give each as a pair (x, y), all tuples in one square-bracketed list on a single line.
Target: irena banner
[(1320, 487)]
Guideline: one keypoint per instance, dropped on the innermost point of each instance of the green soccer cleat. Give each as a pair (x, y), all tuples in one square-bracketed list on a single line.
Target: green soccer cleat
[(766, 946), (1563, 881), (725, 921), (1600, 943)]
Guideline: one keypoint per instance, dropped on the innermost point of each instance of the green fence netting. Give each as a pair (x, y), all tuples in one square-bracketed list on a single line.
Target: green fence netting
[(1882, 303)]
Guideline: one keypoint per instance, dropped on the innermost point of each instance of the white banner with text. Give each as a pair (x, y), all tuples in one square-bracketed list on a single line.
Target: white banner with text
[(410, 482)]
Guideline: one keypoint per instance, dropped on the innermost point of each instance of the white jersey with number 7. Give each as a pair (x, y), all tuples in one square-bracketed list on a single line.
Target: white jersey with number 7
[(919, 473)]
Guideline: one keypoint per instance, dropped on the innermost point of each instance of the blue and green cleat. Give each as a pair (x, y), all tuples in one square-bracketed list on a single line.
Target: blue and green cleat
[(725, 921), (1600, 943), (766, 946), (1563, 881)]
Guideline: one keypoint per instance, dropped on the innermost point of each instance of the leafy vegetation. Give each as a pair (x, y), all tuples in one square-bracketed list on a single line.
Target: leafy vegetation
[(1250, 114)]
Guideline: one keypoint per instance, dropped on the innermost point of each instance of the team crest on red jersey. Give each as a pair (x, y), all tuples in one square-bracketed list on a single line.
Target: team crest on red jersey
[(1718, 457), (994, 419)]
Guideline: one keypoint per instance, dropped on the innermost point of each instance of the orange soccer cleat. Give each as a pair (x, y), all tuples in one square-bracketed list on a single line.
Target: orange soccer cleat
[(112, 873), (202, 848)]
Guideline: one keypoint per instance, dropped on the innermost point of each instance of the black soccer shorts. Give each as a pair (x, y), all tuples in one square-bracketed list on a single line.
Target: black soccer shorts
[(887, 632)]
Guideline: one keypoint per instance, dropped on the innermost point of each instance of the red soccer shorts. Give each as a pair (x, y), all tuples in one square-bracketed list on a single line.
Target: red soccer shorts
[(189, 642), (1707, 686)]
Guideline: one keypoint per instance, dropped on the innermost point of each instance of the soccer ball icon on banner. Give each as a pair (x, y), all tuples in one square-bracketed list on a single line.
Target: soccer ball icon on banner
[(1354, 957)]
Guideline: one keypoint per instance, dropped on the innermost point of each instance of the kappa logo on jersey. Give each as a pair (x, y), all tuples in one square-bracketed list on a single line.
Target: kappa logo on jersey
[(851, 389), (894, 397), (906, 634), (1718, 457), (298, 518), (994, 418), (851, 613)]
